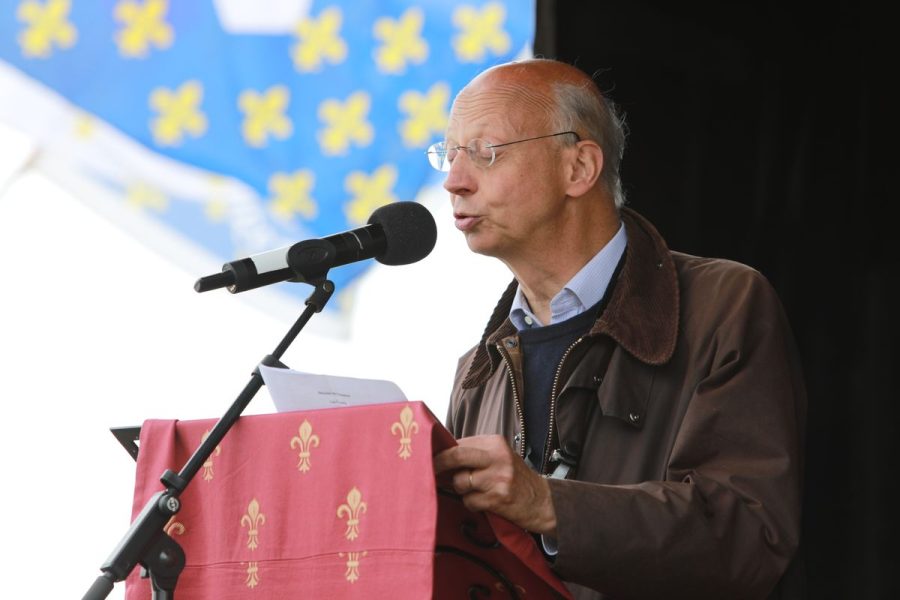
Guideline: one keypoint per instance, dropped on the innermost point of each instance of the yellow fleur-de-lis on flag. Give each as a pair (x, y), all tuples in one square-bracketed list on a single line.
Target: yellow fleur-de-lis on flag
[(480, 30), (427, 114), (402, 41), (345, 122), (85, 126), (264, 115), (144, 24), (142, 195), (291, 194), (319, 40), (47, 24), (369, 192), (216, 208), (179, 113)]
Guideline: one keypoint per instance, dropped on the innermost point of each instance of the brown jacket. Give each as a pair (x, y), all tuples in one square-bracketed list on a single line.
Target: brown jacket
[(686, 403)]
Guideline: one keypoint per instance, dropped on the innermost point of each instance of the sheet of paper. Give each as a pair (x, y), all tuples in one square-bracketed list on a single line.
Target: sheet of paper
[(295, 390)]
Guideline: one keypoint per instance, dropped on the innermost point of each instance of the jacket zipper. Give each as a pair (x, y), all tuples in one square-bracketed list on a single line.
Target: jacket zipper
[(519, 414), (553, 395)]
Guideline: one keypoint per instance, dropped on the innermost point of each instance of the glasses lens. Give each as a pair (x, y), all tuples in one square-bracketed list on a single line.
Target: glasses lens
[(437, 156), (481, 152)]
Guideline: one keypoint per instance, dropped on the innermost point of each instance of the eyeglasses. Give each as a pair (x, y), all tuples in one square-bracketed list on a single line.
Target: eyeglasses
[(480, 152)]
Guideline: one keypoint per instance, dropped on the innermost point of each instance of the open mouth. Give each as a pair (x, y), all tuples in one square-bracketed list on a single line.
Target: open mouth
[(464, 222)]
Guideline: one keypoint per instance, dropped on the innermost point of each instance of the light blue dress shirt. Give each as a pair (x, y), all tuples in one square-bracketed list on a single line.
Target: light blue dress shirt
[(583, 291)]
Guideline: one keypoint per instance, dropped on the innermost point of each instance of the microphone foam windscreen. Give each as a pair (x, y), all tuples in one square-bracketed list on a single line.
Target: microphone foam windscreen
[(409, 230)]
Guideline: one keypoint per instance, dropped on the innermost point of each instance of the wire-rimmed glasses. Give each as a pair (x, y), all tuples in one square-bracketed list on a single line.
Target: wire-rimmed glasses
[(481, 152)]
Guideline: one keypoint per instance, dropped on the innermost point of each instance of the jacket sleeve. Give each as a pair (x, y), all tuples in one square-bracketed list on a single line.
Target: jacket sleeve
[(725, 520)]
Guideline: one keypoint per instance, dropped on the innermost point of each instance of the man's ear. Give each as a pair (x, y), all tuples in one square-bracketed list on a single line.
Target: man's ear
[(585, 168)]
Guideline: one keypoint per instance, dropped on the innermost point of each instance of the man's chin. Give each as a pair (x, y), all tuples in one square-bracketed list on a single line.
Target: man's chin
[(479, 245)]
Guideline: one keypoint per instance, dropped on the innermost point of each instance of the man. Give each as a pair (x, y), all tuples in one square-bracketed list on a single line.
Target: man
[(639, 410)]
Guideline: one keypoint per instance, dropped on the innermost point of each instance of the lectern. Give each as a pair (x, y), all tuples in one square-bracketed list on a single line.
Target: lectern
[(332, 503)]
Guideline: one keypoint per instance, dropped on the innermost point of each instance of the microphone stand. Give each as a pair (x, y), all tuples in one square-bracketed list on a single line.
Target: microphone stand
[(146, 542)]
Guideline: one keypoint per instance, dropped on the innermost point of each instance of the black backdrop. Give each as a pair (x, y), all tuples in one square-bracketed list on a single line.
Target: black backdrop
[(760, 132)]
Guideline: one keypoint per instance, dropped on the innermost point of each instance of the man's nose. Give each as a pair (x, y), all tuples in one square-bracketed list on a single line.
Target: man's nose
[(460, 179)]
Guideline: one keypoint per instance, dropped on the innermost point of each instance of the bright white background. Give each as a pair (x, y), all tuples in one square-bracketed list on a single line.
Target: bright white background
[(98, 330)]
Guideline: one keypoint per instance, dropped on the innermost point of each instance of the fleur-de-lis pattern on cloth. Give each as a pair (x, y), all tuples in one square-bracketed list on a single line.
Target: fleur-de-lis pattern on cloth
[(244, 137), (209, 463), (305, 441), (252, 574), (253, 520), (352, 510), (353, 560), (405, 427), (363, 512), (174, 527)]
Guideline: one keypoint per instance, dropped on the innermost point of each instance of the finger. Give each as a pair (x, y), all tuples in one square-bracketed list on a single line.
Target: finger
[(484, 442), (445, 461), (463, 482), (460, 457)]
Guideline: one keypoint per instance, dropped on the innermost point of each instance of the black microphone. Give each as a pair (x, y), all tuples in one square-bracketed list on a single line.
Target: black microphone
[(399, 233)]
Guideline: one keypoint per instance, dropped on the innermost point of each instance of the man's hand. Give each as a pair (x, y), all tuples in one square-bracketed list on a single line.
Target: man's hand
[(490, 476)]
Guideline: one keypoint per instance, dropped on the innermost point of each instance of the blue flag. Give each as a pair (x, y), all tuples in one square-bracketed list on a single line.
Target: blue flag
[(245, 126)]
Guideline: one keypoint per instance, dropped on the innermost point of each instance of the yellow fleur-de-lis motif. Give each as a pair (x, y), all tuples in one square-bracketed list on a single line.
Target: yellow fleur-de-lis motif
[(353, 558), (480, 30), (291, 194), (252, 575), (345, 122), (253, 519), (264, 115), (85, 126), (142, 195), (179, 113), (208, 463), (405, 427), (305, 441), (402, 41), (216, 208), (427, 114), (47, 24), (173, 527), (352, 510), (319, 40), (369, 192), (143, 25)]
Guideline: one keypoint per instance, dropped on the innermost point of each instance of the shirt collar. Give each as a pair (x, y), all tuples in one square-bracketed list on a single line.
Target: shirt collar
[(583, 291)]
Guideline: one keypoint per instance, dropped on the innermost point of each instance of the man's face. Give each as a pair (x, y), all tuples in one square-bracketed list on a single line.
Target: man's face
[(511, 209)]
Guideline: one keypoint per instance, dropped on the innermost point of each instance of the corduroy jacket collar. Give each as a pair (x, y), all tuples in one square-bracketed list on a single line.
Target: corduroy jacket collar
[(642, 314)]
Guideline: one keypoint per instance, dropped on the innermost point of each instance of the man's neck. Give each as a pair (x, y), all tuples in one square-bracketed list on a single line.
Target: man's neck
[(542, 275)]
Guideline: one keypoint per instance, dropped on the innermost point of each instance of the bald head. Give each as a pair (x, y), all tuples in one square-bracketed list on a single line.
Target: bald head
[(562, 98)]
